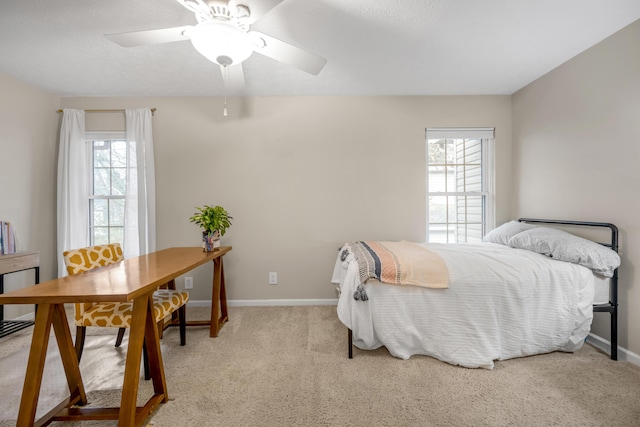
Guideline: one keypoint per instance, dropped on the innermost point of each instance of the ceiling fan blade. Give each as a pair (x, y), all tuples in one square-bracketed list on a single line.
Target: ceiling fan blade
[(258, 8), (143, 38), (287, 53), (195, 6), (233, 76)]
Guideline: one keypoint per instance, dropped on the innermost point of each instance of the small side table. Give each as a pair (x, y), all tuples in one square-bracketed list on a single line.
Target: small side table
[(12, 264)]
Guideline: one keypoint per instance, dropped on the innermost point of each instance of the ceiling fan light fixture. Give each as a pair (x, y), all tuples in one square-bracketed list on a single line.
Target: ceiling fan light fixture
[(215, 39), (258, 41)]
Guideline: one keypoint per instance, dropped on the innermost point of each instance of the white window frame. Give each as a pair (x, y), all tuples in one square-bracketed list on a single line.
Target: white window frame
[(90, 138), (487, 135)]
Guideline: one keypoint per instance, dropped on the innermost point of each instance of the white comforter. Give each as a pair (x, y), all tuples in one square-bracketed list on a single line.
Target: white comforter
[(501, 303)]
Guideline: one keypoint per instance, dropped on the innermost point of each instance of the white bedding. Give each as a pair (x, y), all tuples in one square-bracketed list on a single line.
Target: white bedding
[(601, 289), (501, 303)]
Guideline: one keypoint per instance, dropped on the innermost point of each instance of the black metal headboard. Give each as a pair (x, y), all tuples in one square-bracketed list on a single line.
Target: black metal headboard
[(612, 306)]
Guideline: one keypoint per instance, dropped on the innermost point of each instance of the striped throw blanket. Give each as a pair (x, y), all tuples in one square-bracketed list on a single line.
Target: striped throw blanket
[(398, 263)]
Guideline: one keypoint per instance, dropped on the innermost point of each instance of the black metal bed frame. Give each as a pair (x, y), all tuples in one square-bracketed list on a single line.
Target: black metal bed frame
[(611, 307)]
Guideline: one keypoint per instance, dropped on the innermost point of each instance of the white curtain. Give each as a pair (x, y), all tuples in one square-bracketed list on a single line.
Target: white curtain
[(140, 204), (73, 186)]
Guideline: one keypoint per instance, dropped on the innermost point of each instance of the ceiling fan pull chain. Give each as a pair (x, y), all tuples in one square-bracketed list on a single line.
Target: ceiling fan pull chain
[(225, 78)]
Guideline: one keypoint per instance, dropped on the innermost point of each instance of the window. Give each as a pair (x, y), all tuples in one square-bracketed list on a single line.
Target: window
[(459, 184), (108, 188)]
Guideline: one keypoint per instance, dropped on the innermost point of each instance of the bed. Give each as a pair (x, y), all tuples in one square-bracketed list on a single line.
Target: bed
[(528, 288)]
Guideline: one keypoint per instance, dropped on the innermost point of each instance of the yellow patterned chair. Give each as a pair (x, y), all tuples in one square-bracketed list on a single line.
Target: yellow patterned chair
[(107, 314)]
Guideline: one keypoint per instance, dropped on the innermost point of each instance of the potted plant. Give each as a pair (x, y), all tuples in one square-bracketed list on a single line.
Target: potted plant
[(214, 220)]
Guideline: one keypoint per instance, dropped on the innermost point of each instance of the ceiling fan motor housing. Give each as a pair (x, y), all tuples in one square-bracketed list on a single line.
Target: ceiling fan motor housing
[(220, 10)]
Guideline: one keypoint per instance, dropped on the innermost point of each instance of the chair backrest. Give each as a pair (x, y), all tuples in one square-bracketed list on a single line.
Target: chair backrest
[(85, 259)]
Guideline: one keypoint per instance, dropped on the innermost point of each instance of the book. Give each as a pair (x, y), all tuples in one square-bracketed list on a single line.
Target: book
[(7, 238)]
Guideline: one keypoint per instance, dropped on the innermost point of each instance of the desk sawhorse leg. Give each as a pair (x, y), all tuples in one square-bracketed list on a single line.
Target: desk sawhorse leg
[(219, 314), (49, 315), (143, 329)]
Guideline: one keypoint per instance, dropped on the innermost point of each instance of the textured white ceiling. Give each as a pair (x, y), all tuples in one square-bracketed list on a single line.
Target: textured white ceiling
[(373, 47)]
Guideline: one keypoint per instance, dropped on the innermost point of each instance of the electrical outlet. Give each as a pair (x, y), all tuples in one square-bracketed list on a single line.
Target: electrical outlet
[(188, 282), (273, 278)]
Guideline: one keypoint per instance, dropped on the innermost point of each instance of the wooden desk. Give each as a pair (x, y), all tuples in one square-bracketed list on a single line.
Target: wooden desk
[(134, 280)]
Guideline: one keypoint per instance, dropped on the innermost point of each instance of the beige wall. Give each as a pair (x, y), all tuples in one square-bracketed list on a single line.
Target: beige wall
[(576, 134), (28, 147), (300, 175)]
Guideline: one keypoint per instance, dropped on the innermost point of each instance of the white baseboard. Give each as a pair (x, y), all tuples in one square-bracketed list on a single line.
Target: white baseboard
[(265, 302), (241, 303), (605, 345)]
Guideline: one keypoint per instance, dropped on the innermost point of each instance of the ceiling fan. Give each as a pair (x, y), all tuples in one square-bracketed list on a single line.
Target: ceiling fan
[(223, 36)]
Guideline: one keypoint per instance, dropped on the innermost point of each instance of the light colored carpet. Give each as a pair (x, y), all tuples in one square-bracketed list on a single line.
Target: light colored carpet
[(288, 366)]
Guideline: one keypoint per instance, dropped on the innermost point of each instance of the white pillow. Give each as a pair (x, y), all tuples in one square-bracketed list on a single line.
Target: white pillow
[(563, 246), (506, 231)]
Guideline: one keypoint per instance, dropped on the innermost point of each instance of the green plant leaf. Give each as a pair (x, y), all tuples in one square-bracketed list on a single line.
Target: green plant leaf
[(212, 218)]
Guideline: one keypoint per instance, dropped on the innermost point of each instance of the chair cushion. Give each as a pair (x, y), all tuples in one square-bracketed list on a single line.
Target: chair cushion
[(168, 301), (118, 315)]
